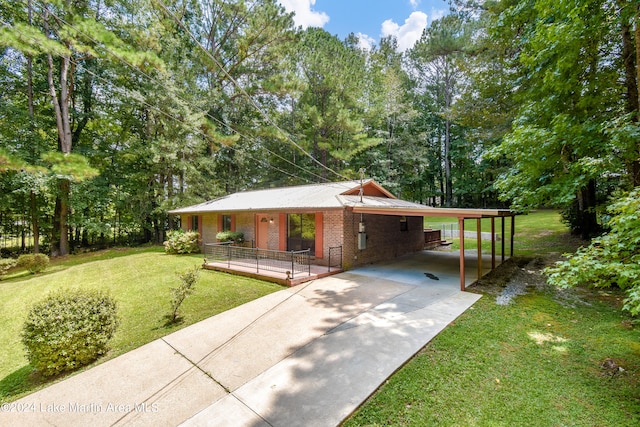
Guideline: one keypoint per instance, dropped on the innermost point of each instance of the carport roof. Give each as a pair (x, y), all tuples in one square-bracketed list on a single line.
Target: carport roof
[(382, 206)]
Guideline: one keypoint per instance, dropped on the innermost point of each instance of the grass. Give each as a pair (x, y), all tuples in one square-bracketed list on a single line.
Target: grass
[(550, 358), (139, 279)]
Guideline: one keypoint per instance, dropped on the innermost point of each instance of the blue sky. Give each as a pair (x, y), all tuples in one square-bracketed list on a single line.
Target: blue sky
[(369, 19)]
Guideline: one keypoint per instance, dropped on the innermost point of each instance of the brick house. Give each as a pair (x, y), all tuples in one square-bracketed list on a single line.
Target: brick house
[(366, 220)]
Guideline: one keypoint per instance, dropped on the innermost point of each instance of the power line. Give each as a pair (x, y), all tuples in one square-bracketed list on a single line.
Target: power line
[(242, 91), (120, 58), (197, 131), (131, 94)]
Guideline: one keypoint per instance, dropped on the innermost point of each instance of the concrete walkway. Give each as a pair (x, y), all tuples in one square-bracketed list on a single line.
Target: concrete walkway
[(308, 355)]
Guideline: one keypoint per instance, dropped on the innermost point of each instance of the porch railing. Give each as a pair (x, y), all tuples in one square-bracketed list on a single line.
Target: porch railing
[(293, 262)]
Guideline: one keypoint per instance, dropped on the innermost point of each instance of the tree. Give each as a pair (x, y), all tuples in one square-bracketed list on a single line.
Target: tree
[(329, 110), (239, 66), (436, 59), (610, 260), (68, 36), (387, 113), (561, 66)]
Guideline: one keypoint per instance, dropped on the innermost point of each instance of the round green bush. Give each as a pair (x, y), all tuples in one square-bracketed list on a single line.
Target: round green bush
[(6, 264), (34, 263), (69, 329), (180, 242), (230, 236)]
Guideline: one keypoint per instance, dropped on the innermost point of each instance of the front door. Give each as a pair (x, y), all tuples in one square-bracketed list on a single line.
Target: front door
[(262, 240)]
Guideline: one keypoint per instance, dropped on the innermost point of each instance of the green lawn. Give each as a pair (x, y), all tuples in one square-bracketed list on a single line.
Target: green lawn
[(139, 279), (550, 358)]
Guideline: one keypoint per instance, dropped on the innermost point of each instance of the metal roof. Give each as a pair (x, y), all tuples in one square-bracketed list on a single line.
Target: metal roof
[(314, 196), (333, 195)]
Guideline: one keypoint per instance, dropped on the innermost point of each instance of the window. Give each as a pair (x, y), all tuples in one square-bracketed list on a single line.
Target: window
[(195, 222), (301, 232), (403, 224), (226, 222)]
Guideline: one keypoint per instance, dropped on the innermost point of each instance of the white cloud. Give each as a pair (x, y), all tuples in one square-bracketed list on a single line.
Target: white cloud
[(437, 14), (305, 16), (365, 42), (407, 34), (414, 4)]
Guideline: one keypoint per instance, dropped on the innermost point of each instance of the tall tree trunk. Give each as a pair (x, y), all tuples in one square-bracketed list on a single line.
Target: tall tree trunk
[(60, 243), (441, 172), (33, 205), (447, 164), (588, 218), (635, 166), (448, 97), (632, 77), (35, 227)]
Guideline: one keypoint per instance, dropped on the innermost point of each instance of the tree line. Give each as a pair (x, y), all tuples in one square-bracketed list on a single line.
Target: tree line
[(113, 112)]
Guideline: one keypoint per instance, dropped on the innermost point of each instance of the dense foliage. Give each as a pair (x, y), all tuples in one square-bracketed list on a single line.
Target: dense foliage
[(230, 236), (68, 330), (33, 263), (612, 259), (113, 113), (556, 87), (181, 242), (6, 264)]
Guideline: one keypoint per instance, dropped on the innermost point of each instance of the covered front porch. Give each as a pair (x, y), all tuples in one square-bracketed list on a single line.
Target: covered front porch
[(288, 268)]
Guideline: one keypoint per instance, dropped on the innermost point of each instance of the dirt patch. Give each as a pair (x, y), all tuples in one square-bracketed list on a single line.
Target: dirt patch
[(519, 275)]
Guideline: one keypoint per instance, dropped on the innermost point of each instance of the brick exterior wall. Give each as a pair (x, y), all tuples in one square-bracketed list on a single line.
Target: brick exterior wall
[(333, 227), (209, 227), (385, 240), (273, 239), (246, 224)]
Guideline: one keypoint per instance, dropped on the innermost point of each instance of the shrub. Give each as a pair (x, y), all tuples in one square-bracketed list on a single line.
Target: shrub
[(179, 242), (6, 264), (34, 263), (68, 330), (188, 281), (230, 236), (610, 260)]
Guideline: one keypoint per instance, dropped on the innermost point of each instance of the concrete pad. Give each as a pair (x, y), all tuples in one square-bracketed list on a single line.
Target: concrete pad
[(227, 412), (110, 392), (325, 381), (456, 304), (424, 295), (296, 322), (196, 341), (177, 402)]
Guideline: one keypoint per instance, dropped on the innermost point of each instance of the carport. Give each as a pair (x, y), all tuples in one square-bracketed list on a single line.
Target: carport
[(404, 209)]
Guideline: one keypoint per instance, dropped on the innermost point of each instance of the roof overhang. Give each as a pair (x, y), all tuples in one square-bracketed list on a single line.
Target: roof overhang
[(440, 212)]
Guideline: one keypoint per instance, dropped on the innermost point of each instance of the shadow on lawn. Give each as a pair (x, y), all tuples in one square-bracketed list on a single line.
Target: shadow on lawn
[(20, 381), (27, 380)]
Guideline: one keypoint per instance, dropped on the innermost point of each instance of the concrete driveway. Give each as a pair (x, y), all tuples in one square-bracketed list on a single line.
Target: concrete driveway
[(308, 355)]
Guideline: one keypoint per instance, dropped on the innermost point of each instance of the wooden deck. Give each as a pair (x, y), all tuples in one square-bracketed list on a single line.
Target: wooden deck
[(280, 277)]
